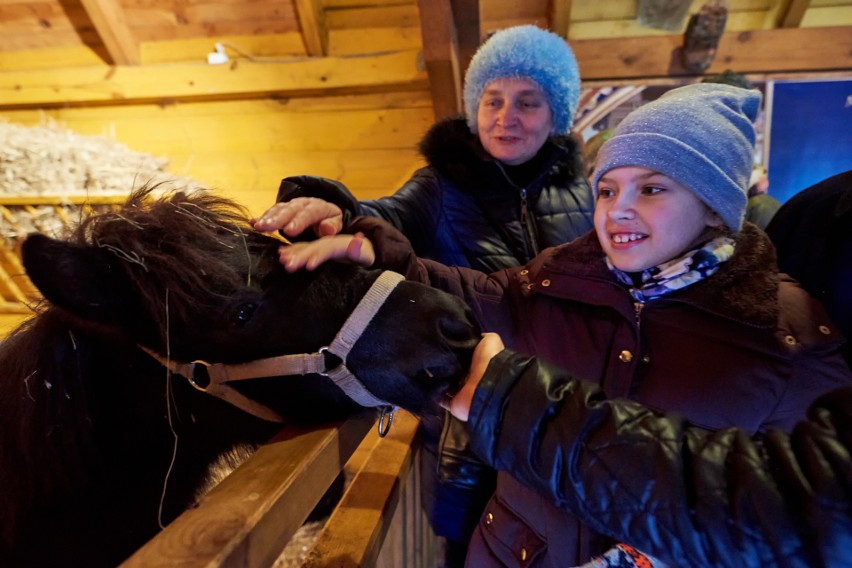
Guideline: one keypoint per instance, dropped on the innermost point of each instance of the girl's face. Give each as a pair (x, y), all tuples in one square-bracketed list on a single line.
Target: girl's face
[(644, 218), (513, 120)]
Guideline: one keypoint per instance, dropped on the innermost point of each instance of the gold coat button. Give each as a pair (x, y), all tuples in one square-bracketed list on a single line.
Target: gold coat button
[(824, 330), (524, 272), (625, 356), (523, 555), (790, 340), (545, 282), (489, 518)]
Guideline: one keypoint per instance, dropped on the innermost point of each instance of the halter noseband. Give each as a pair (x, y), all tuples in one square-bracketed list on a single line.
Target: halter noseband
[(218, 375)]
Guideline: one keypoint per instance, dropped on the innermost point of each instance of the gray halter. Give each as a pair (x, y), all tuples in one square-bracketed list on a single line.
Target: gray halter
[(220, 374)]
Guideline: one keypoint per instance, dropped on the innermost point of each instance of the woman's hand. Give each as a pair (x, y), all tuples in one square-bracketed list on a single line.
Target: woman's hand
[(294, 216), (353, 248), (489, 346)]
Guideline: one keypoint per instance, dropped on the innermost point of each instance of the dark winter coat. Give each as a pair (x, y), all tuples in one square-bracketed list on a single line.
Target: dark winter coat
[(688, 496), (744, 347), (468, 209), (812, 233)]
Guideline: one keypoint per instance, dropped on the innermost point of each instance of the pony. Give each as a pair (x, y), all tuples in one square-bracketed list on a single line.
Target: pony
[(101, 445)]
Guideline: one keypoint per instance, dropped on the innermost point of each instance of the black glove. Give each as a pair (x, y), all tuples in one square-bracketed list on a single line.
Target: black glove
[(323, 188)]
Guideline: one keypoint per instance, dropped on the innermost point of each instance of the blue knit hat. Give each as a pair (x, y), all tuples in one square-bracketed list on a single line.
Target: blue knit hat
[(526, 52), (701, 136)]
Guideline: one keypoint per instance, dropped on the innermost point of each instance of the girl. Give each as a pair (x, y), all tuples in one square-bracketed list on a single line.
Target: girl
[(670, 301)]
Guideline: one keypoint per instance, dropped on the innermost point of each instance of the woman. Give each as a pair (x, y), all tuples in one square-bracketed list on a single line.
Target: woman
[(670, 301), (501, 184)]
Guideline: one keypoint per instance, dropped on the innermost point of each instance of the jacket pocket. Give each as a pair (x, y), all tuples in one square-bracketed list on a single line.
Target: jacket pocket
[(509, 539)]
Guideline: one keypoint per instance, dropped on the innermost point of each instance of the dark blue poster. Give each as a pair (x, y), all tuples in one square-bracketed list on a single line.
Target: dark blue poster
[(810, 135)]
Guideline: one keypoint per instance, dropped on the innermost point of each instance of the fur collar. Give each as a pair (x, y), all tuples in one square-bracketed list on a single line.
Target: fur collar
[(745, 288)]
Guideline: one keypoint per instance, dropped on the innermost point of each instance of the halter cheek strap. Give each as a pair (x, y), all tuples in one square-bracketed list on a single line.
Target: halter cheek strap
[(213, 378)]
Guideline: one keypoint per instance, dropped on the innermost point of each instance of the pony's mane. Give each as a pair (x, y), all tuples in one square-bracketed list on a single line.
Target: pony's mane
[(192, 245)]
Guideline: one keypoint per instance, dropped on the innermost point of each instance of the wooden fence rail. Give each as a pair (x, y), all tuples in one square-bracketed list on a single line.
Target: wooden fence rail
[(250, 516)]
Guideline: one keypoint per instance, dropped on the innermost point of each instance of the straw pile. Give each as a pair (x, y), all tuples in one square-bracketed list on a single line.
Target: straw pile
[(51, 161)]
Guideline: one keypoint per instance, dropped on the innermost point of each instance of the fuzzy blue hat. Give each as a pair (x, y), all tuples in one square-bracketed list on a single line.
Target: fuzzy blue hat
[(701, 136), (528, 52)]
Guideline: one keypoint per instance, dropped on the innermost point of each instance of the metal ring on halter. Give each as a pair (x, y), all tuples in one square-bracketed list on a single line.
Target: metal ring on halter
[(384, 427), (322, 351), (199, 365)]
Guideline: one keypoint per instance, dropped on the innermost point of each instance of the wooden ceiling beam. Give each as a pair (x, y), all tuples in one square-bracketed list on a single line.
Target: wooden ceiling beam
[(314, 29), (560, 17), (797, 50), (793, 15), (105, 85), (108, 18), (441, 55), (468, 30)]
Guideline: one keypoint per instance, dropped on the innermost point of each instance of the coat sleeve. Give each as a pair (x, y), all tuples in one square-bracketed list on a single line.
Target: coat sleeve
[(488, 295), (688, 496), (414, 209)]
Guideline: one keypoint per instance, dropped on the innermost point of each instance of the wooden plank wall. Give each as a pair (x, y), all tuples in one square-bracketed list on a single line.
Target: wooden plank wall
[(242, 145)]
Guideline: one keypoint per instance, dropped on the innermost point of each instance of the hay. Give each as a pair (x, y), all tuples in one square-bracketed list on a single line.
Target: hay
[(51, 163), (50, 177), (51, 160)]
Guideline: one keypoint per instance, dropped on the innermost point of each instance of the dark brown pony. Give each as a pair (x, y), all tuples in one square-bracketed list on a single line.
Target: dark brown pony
[(99, 444)]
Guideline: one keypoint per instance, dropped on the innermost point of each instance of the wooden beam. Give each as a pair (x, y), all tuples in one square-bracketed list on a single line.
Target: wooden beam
[(560, 17), (800, 50), (314, 30), (252, 513), (108, 18), (441, 55), (354, 533), (793, 15), (468, 30), (79, 86)]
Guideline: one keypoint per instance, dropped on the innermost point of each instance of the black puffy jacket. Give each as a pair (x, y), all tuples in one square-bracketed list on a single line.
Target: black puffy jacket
[(467, 209), (688, 496)]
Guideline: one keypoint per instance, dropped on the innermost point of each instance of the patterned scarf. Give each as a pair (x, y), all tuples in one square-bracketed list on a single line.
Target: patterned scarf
[(623, 556), (678, 273)]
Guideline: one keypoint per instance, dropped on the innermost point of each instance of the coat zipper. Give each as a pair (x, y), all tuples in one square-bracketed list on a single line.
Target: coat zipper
[(637, 310), (526, 218)]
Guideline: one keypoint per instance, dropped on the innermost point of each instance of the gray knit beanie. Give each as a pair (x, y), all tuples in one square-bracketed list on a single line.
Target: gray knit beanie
[(701, 136), (526, 52)]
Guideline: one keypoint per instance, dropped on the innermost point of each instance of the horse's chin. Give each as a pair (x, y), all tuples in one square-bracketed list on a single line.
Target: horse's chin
[(444, 381)]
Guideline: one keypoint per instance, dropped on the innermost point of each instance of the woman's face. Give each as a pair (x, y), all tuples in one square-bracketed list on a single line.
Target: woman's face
[(644, 218), (513, 119)]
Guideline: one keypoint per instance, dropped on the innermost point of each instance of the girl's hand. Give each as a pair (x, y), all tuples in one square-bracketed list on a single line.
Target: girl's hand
[(489, 346), (296, 215), (352, 248)]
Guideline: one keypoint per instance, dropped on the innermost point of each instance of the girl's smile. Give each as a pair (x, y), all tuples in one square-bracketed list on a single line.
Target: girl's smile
[(644, 218)]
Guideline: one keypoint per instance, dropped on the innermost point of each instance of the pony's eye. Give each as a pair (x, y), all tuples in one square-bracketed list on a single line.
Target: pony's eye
[(245, 313)]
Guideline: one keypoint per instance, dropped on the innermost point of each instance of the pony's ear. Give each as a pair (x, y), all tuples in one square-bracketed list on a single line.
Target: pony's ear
[(84, 280)]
